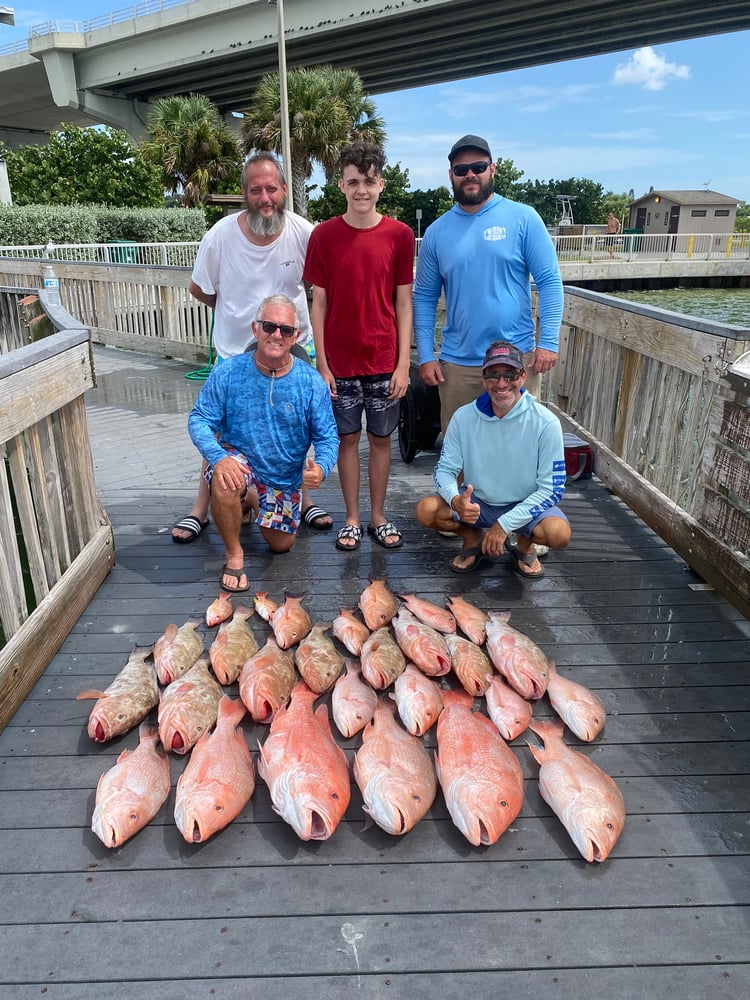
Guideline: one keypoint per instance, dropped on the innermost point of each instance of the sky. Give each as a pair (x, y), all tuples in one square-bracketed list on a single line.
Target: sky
[(671, 117)]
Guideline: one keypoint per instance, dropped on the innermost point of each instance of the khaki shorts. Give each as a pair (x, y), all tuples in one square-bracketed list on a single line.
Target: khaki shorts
[(463, 383)]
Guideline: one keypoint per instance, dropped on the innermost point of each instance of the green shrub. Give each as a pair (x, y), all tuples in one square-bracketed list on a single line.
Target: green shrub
[(24, 225)]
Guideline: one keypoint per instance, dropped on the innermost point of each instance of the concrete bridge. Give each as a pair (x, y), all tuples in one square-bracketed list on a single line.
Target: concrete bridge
[(109, 69)]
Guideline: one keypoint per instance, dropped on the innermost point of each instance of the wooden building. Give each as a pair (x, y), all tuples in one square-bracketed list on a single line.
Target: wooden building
[(684, 212)]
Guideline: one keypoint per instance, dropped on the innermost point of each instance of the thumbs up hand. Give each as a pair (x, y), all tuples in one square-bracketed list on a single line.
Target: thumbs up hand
[(312, 474), (465, 506)]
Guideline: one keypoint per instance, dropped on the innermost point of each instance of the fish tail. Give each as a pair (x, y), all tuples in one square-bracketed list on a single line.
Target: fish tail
[(143, 651), (547, 728), (231, 710)]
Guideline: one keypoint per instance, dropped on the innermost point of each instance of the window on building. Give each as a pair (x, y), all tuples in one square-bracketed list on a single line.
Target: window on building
[(698, 213), (724, 212)]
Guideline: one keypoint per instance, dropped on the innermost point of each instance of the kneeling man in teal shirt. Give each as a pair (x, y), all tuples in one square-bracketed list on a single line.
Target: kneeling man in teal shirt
[(510, 450)]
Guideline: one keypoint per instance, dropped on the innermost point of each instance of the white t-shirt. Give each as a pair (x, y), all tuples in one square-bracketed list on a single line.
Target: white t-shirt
[(241, 275)]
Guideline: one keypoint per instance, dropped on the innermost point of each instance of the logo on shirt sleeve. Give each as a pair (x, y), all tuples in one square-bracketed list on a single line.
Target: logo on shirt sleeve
[(495, 233)]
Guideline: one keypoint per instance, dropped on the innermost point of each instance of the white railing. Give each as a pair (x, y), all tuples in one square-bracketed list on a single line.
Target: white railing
[(570, 249), (106, 20)]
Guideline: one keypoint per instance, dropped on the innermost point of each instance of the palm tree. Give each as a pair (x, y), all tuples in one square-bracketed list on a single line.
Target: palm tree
[(328, 107), (190, 141)]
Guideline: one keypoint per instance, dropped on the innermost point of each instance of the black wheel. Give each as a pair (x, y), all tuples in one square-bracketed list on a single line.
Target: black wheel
[(407, 426), (429, 421)]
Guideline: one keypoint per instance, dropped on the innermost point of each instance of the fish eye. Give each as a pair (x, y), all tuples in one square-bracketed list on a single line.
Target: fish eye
[(610, 826), (120, 717), (417, 798), (503, 803), (334, 795), (199, 729), (219, 807), (134, 817)]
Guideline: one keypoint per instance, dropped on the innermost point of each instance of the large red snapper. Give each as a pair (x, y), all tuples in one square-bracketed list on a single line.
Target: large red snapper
[(126, 701), (481, 777), (469, 664), (317, 659), (382, 659), (266, 681), (352, 701), (419, 700), (350, 631), (471, 620), (421, 644), (131, 793), (394, 773), (377, 604), (177, 650), (431, 614), (290, 622), (188, 708), (583, 797), (234, 643), (306, 772), (508, 710), (264, 605), (580, 709), (516, 657), (219, 778)]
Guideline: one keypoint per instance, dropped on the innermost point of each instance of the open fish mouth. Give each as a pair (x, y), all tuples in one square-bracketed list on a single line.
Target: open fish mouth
[(484, 834), (197, 836), (264, 711), (318, 826)]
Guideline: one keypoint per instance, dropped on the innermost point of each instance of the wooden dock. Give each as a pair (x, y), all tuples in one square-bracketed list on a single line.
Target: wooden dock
[(257, 913)]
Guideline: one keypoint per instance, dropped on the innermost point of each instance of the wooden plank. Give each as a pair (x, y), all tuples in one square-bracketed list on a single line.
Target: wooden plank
[(64, 376), (30, 649), (32, 521), (13, 605)]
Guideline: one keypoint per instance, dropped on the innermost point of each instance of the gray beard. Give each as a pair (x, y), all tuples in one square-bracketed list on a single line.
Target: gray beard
[(261, 225)]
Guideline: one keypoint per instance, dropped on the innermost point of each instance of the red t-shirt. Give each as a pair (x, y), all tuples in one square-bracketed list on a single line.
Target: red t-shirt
[(360, 270)]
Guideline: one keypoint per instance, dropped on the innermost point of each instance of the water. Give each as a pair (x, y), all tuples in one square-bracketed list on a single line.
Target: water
[(722, 305)]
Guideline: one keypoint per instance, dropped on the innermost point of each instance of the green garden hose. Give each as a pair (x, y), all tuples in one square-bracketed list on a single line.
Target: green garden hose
[(201, 374)]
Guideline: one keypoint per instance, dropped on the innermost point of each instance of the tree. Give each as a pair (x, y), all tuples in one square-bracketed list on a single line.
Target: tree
[(506, 177), (587, 199), (84, 166), (328, 107), (742, 225), (193, 145)]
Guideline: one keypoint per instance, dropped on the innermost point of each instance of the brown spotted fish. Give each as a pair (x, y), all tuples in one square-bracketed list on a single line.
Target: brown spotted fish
[(131, 793), (177, 650), (126, 701), (234, 643), (188, 708), (377, 604), (470, 665), (471, 620), (317, 659), (349, 630), (382, 659), (431, 614), (290, 622), (266, 681)]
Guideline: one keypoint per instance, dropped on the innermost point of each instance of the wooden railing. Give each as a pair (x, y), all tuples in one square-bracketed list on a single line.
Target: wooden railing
[(56, 542), (651, 391), (139, 308)]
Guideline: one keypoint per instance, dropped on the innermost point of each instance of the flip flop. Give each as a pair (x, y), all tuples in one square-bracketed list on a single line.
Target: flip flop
[(191, 524), (382, 531), (353, 531), (312, 515), (527, 558), (477, 556), (236, 573)]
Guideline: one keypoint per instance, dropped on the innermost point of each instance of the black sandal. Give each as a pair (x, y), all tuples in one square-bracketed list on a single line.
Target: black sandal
[(353, 531)]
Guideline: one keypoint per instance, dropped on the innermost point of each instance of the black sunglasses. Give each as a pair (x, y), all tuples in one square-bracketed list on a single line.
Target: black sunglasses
[(284, 329), (462, 169), (504, 376)]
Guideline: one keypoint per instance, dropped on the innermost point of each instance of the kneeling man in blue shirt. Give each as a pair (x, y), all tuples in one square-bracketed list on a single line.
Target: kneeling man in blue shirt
[(510, 450)]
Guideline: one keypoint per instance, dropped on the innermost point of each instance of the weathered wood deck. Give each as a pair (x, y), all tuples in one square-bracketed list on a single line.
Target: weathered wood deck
[(257, 913)]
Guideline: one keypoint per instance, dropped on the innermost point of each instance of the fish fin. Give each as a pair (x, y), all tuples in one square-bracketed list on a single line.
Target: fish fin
[(243, 611), (498, 616), (231, 709), (547, 727), (84, 695), (536, 752)]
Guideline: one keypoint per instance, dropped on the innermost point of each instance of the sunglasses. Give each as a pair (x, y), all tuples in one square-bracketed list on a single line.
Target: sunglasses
[(503, 376), (284, 329), (462, 169)]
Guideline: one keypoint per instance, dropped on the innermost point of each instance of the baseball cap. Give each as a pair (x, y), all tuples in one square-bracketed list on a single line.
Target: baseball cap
[(469, 142), (502, 353)]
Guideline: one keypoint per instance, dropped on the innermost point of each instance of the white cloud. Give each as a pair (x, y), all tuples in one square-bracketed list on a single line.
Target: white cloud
[(718, 115), (650, 70)]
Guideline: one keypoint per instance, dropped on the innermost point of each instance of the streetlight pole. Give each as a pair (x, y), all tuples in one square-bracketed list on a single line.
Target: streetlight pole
[(286, 153)]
